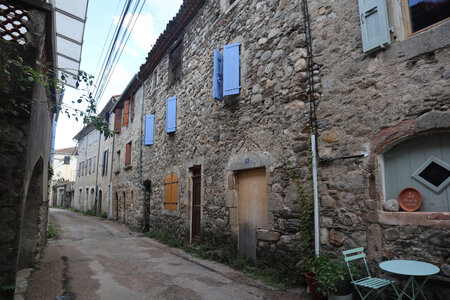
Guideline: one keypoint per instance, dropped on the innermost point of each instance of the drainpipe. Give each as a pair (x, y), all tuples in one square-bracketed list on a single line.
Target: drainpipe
[(141, 138), (110, 212), (313, 122), (96, 173)]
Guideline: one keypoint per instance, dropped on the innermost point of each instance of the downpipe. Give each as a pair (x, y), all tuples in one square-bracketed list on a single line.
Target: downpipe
[(316, 196), (141, 138)]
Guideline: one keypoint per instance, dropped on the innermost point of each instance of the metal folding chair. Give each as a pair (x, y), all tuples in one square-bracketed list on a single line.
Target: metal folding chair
[(375, 285)]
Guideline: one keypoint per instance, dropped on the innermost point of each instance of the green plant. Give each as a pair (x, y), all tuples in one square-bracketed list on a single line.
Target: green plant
[(51, 230), (329, 272), (89, 212), (104, 215), (306, 215)]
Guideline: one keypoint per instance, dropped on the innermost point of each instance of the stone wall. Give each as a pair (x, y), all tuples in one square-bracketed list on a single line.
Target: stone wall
[(368, 103), (25, 152)]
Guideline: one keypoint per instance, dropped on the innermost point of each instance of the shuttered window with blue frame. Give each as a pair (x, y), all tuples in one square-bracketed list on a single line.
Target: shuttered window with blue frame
[(171, 114), (231, 69), (374, 24), (149, 129), (218, 76)]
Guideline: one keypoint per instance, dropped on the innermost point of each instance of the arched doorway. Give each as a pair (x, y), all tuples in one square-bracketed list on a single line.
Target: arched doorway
[(99, 209), (29, 248), (92, 200)]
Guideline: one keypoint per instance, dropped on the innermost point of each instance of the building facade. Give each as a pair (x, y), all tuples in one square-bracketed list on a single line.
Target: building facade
[(64, 164)]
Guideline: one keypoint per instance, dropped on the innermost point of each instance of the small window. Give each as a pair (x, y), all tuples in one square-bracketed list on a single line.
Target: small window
[(79, 170), (117, 162), (94, 166), (421, 14), (154, 79), (175, 59), (171, 192), (105, 163), (89, 165), (66, 160), (128, 154)]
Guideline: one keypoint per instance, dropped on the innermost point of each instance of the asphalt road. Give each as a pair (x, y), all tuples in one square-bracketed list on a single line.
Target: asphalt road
[(94, 258)]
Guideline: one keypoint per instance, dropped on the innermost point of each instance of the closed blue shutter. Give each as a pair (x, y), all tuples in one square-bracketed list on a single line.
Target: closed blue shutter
[(231, 70), (149, 129), (218, 76), (171, 114), (374, 24)]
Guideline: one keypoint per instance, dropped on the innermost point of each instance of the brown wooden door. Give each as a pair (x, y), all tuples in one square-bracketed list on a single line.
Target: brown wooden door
[(252, 208), (196, 204)]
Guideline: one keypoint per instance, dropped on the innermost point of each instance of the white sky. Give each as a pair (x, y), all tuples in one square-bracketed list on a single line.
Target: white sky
[(150, 24)]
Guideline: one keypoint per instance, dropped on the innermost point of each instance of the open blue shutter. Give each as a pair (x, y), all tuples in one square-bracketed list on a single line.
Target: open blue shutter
[(149, 129), (218, 76), (231, 70), (171, 114), (374, 24)]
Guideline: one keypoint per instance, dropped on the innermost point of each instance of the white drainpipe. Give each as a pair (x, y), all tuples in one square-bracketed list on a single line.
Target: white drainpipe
[(316, 196)]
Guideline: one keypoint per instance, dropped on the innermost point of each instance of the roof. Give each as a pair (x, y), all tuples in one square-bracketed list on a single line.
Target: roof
[(174, 28), (66, 151)]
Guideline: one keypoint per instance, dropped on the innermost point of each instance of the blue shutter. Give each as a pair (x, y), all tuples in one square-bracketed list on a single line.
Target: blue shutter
[(374, 24), (149, 129), (171, 114), (231, 70), (218, 76)]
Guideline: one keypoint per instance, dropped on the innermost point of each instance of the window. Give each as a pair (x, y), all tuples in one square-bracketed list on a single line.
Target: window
[(94, 166), (89, 164), (422, 163), (171, 192), (128, 154), (117, 162), (105, 163), (175, 59), (66, 160), (117, 120), (227, 72), (132, 100), (154, 79), (421, 14), (79, 170)]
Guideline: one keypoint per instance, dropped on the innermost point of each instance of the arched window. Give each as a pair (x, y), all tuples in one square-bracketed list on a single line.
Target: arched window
[(171, 192), (422, 163)]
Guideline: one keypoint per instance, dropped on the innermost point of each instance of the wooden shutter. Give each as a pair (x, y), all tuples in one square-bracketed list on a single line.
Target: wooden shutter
[(117, 120), (149, 129), (231, 70), (374, 24), (126, 112), (171, 114), (128, 154), (218, 76), (171, 191)]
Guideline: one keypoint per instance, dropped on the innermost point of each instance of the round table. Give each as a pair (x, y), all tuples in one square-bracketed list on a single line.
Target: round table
[(411, 268)]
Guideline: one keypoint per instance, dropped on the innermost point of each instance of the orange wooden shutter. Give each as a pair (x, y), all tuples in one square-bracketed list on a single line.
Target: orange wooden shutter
[(171, 190), (174, 187), (128, 154), (126, 112), (117, 120), (168, 191)]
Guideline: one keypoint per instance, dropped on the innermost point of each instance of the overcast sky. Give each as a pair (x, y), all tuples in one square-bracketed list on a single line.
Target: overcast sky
[(150, 24)]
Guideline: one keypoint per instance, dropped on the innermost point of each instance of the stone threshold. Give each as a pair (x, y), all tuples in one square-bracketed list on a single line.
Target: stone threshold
[(421, 218), (22, 279)]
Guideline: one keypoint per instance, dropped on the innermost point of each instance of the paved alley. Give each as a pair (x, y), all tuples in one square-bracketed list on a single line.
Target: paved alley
[(100, 259)]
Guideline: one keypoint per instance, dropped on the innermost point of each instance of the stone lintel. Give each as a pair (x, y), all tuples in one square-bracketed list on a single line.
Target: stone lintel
[(437, 219), (249, 161)]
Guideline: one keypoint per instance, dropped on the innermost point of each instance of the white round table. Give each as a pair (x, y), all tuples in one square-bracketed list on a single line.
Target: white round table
[(411, 268)]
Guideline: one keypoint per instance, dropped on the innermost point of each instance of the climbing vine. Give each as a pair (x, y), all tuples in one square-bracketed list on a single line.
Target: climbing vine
[(306, 215), (16, 83)]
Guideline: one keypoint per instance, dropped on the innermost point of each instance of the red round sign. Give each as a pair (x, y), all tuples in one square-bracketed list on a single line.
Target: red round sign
[(410, 199)]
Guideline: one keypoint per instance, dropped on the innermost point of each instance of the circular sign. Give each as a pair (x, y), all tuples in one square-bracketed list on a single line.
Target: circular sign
[(410, 199)]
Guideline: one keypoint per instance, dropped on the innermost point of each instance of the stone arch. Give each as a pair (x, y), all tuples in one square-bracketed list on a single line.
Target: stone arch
[(92, 200), (29, 248)]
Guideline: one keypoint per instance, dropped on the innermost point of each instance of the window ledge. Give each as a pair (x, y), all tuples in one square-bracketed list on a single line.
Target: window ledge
[(422, 218), (127, 167), (430, 40)]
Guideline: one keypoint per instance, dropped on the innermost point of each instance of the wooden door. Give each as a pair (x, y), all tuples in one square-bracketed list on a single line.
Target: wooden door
[(196, 204), (252, 208)]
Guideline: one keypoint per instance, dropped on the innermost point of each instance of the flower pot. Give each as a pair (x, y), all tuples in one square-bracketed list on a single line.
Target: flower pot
[(344, 291), (312, 286)]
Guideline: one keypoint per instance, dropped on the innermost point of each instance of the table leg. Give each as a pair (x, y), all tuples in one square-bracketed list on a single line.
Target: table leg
[(420, 286), (405, 288)]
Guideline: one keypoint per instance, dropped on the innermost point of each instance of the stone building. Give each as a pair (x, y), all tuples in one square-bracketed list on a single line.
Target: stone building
[(385, 96), (217, 170), (26, 120), (64, 164), (92, 184)]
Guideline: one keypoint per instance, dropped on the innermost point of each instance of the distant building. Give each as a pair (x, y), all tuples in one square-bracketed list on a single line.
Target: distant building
[(64, 170)]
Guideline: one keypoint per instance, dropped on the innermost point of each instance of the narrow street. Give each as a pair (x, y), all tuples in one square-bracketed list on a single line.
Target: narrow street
[(99, 259)]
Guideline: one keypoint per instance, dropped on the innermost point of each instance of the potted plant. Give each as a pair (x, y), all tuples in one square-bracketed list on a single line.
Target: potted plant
[(332, 278)]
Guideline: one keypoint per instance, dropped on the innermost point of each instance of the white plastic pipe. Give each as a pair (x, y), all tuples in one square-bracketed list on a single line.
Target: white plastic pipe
[(316, 196)]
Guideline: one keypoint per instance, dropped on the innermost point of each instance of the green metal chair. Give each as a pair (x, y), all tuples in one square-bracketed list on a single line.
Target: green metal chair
[(376, 285)]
